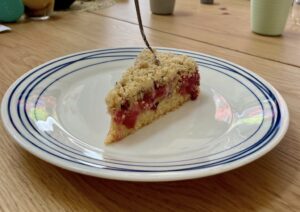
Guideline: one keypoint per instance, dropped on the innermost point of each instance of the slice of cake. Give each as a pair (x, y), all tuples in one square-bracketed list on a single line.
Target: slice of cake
[(147, 91)]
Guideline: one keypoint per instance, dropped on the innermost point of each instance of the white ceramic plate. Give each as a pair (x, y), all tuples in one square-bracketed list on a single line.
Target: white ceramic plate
[(57, 112)]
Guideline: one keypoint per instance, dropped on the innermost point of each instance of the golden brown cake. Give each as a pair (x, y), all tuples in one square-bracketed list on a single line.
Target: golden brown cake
[(147, 91)]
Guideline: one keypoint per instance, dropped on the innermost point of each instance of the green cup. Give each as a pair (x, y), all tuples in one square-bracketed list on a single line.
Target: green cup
[(162, 7), (11, 10), (268, 17)]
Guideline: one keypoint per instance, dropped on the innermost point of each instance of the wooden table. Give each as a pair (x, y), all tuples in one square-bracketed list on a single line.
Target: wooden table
[(271, 183)]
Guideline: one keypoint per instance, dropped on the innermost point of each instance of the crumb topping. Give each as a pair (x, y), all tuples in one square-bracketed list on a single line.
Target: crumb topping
[(144, 75)]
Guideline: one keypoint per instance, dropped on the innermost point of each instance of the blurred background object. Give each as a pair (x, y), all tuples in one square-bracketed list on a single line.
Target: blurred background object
[(296, 12), (165, 7), (92, 5), (4, 28), (207, 1), (39, 9), (63, 4), (11, 10), (268, 17)]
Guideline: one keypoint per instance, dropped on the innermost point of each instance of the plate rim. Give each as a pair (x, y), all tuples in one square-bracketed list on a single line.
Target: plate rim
[(147, 177)]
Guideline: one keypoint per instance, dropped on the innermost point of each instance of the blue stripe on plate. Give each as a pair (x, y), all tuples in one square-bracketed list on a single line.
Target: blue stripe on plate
[(58, 143), (132, 161), (105, 62), (259, 145)]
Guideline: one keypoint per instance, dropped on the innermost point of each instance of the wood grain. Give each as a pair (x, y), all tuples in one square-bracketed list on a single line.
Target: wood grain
[(27, 183), (225, 24)]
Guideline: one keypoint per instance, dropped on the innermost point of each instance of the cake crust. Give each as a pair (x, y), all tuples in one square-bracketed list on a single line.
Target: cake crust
[(117, 132)]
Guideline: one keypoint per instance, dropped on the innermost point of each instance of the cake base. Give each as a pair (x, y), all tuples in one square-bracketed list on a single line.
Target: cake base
[(117, 131)]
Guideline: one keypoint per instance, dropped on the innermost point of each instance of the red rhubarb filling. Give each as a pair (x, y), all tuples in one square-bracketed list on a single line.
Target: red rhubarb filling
[(128, 114), (189, 85)]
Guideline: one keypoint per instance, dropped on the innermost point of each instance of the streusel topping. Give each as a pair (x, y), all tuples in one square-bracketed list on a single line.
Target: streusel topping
[(145, 73)]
